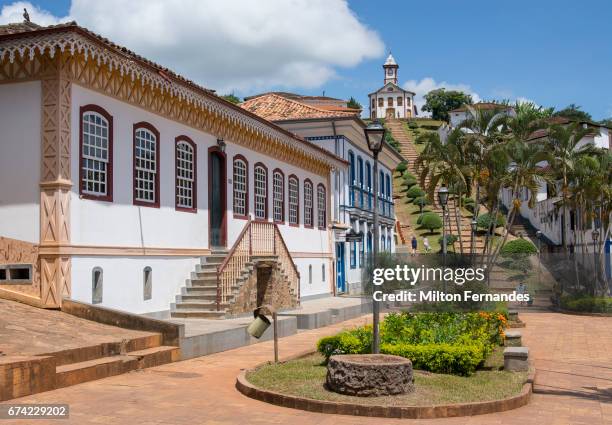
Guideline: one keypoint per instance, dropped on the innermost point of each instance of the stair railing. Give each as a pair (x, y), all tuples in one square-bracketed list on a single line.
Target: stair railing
[(257, 238)]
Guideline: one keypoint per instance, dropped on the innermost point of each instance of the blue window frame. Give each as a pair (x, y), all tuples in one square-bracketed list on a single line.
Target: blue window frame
[(351, 178), (361, 253), (369, 184), (353, 249), (360, 183), (389, 243)]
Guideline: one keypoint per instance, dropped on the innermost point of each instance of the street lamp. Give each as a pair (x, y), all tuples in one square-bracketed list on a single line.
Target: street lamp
[(474, 226), (375, 134), (443, 199), (539, 236), (595, 236)]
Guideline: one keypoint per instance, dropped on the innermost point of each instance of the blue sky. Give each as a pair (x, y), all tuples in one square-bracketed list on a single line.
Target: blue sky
[(551, 52)]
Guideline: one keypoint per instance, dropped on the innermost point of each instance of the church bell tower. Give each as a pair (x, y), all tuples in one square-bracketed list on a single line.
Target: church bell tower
[(390, 68)]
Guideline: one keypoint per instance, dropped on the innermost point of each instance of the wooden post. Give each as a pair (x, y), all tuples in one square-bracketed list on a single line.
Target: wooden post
[(274, 318)]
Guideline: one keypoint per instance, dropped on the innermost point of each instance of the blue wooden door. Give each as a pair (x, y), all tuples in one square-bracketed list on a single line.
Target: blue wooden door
[(340, 277)]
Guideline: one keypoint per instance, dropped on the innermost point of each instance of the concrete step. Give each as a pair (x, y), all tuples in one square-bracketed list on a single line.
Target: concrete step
[(201, 314), (199, 305), (198, 290), (197, 297), (76, 373)]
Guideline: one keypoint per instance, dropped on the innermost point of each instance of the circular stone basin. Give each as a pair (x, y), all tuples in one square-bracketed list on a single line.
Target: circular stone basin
[(369, 375)]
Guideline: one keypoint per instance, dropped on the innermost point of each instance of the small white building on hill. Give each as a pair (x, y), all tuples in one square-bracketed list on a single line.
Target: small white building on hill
[(391, 101)]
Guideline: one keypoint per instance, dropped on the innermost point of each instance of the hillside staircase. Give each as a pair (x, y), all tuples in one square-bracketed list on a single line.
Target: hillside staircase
[(213, 289), (399, 132)]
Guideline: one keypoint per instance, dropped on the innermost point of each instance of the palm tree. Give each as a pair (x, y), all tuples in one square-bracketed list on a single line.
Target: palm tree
[(444, 163), (565, 149)]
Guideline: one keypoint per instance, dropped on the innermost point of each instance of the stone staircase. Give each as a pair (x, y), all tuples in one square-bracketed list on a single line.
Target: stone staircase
[(198, 298), (409, 152), (226, 283)]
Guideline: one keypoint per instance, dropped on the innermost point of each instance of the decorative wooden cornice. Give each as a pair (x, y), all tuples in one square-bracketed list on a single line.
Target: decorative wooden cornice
[(107, 69)]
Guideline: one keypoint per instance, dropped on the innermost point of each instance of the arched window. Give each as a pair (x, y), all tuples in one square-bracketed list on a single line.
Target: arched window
[(369, 184), (294, 200), (147, 283), (373, 103), (261, 191), (96, 154), (351, 178), (389, 243), (360, 182), (308, 202), (321, 206), (97, 285), (310, 274), (400, 101), (381, 102), (382, 243), (278, 187), (185, 174), (146, 165), (388, 190), (241, 185)]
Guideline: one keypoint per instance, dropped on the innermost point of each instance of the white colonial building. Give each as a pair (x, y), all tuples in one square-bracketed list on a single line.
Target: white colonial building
[(125, 185), (391, 101), (342, 134)]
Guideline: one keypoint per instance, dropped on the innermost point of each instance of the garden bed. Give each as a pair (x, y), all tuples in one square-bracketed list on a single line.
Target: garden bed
[(299, 384)]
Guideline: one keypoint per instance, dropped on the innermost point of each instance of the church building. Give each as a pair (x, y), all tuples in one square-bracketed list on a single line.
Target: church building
[(391, 101)]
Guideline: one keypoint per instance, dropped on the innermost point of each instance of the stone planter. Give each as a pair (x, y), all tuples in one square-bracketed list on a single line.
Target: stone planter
[(369, 375)]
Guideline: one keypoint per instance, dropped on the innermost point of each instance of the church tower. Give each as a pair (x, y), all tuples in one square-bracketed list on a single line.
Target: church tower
[(390, 68)]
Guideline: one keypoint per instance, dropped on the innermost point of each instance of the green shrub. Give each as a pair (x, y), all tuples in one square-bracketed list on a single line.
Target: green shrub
[(440, 358), (355, 341), (587, 304), (401, 167), (409, 175), (485, 222), (518, 246), (431, 221), (421, 201), (412, 124), (409, 182), (467, 201), (450, 240), (415, 191)]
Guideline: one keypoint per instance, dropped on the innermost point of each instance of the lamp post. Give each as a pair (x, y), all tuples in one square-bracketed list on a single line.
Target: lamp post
[(474, 226), (443, 199), (595, 236), (539, 236), (375, 134)]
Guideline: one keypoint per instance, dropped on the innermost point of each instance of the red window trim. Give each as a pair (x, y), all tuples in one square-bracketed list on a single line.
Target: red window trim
[(321, 185), (311, 225), (109, 172), (148, 126), (266, 216), (278, 170), (297, 224), (194, 209), (246, 201)]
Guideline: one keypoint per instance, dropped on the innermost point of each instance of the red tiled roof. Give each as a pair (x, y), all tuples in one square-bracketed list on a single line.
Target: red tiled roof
[(278, 108)]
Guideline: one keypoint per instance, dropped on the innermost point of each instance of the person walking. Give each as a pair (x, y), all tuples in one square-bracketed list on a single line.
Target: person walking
[(414, 245), (426, 244)]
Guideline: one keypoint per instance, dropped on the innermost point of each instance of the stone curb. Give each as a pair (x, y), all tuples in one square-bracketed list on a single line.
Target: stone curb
[(407, 412)]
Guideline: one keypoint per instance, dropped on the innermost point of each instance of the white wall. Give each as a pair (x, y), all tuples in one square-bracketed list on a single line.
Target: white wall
[(123, 281), (20, 146), (318, 286)]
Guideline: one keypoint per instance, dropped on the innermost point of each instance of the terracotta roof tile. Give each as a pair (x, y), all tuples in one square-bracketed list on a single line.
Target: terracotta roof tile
[(278, 108)]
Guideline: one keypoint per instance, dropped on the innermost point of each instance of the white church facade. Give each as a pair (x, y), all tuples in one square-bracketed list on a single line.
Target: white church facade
[(125, 185), (391, 101)]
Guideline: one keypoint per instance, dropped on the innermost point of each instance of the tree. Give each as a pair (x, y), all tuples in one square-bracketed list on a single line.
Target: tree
[(231, 98), (607, 122), (352, 103), (440, 101), (431, 221), (574, 112), (562, 144)]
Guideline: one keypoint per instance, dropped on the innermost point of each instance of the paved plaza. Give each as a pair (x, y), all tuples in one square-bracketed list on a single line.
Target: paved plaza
[(573, 355)]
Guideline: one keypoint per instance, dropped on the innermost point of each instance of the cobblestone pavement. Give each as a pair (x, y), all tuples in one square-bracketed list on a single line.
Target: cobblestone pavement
[(573, 355)]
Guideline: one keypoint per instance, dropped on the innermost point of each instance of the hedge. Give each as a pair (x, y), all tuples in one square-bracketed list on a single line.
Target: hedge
[(431, 221), (409, 182), (518, 246), (484, 221), (440, 358), (415, 191), (421, 201), (450, 240), (587, 304)]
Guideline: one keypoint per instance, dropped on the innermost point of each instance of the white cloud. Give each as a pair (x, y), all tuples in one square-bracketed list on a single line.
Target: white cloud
[(13, 12), (231, 44), (427, 84)]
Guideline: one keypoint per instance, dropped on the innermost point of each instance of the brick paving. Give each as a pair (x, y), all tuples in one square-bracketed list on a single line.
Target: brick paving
[(573, 355), (26, 330)]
